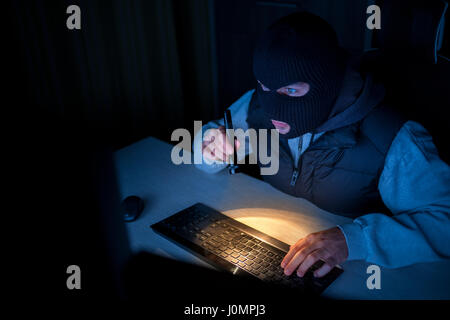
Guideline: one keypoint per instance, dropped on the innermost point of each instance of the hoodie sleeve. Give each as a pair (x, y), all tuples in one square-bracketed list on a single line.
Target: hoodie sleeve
[(239, 112), (415, 186)]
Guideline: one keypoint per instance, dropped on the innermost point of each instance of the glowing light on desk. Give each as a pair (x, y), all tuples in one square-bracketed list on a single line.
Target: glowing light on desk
[(287, 226)]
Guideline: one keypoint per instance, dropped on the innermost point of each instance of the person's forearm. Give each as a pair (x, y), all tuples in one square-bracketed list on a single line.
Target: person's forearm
[(401, 240)]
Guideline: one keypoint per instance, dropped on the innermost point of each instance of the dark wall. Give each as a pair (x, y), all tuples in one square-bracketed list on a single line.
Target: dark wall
[(136, 68), (140, 68)]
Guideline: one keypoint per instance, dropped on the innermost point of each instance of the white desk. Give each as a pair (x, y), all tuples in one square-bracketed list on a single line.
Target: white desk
[(146, 170)]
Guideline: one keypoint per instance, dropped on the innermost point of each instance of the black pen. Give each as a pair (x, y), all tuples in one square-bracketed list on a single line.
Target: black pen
[(233, 167)]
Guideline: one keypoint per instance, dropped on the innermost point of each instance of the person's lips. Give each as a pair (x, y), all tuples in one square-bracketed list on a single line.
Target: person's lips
[(282, 127)]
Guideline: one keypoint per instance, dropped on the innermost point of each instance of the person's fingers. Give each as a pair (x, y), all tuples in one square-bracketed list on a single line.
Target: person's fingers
[(219, 137), (312, 258), (209, 135), (211, 153), (237, 143), (214, 139), (208, 153), (310, 238), (300, 257), (221, 129), (205, 144), (323, 270), (292, 251), (226, 145), (220, 141)]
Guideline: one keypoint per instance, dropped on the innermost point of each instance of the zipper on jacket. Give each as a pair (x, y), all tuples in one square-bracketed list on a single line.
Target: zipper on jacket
[(294, 177), (296, 171)]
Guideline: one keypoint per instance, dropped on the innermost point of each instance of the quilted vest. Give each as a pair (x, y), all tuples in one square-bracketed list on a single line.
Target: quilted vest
[(338, 172)]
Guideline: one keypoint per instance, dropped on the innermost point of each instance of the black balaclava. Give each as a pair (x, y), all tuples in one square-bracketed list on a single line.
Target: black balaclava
[(300, 47)]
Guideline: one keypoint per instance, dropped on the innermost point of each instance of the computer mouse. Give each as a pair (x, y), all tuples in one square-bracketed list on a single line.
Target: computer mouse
[(132, 207)]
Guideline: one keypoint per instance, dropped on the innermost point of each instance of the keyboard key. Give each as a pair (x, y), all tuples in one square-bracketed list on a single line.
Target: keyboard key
[(227, 237), (248, 268), (213, 243)]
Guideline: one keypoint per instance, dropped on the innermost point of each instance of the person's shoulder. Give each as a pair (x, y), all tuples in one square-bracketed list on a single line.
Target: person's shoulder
[(245, 98), (412, 148), (415, 130), (242, 103), (413, 135)]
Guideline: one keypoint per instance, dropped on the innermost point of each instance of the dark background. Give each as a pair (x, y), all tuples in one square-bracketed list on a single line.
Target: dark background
[(139, 68), (136, 68)]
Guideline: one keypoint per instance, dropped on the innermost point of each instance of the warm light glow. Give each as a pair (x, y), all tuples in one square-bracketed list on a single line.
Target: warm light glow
[(286, 226)]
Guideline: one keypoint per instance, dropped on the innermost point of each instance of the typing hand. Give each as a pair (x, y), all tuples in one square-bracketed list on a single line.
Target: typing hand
[(216, 146), (328, 245)]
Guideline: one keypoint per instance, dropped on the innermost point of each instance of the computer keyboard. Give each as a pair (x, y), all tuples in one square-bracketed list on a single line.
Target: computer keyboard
[(228, 244)]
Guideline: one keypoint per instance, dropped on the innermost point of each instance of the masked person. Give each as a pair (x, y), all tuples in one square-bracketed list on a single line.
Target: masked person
[(343, 149)]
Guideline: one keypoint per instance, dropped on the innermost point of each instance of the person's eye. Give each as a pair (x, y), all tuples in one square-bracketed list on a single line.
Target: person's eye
[(291, 90)]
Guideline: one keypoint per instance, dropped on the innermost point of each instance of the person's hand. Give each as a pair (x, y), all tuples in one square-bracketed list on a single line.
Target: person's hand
[(328, 245), (216, 146)]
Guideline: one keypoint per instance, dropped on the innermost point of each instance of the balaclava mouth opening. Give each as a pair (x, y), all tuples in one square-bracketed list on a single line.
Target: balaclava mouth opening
[(300, 47)]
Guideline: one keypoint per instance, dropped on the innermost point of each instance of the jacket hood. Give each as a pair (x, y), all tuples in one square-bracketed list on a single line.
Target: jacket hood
[(359, 95)]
